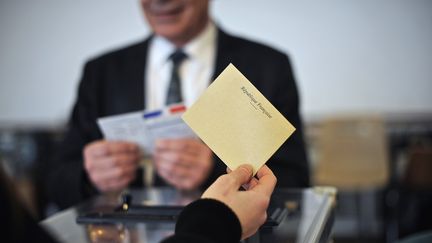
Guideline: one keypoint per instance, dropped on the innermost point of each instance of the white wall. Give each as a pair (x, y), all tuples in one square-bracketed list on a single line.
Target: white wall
[(349, 56)]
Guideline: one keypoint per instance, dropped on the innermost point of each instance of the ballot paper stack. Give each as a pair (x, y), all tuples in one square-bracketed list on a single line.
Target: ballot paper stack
[(145, 127)]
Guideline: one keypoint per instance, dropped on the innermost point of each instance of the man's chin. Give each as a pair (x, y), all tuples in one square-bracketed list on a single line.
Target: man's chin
[(171, 33)]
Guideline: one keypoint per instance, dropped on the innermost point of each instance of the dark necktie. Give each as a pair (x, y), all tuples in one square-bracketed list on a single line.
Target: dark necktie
[(174, 90)]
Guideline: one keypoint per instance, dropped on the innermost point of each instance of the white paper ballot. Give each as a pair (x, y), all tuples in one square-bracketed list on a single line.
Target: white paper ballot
[(144, 128), (127, 127)]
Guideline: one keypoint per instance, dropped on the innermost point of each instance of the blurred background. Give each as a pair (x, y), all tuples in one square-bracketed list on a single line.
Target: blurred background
[(364, 71)]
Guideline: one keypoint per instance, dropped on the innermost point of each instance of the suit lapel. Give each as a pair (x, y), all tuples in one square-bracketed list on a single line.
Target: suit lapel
[(224, 53), (133, 92)]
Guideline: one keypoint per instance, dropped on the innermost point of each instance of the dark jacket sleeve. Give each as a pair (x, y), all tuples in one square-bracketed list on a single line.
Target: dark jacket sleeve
[(290, 162), (206, 221), (111, 84), (67, 181)]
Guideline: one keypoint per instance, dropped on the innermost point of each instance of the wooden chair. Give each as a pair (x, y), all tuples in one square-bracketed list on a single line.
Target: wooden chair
[(352, 155)]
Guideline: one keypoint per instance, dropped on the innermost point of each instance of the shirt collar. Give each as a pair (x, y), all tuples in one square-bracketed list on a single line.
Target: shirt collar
[(199, 46), (196, 49)]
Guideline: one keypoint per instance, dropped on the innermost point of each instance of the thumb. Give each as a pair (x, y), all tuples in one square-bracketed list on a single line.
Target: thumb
[(242, 174)]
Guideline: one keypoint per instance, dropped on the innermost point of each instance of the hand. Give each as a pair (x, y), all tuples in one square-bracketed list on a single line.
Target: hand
[(250, 206), (183, 163), (111, 165)]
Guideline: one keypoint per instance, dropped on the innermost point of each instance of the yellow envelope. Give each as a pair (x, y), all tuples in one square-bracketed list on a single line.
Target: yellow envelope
[(237, 122)]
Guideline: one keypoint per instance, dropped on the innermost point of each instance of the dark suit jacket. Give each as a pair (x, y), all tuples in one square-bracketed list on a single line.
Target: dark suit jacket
[(113, 84)]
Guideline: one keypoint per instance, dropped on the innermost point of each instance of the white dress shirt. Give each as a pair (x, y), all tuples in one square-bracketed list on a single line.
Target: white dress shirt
[(195, 71)]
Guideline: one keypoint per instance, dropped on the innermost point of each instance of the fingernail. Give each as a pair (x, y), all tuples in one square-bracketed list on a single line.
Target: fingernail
[(245, 186)]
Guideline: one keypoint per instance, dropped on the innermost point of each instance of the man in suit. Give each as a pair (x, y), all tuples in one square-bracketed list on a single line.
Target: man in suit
[(140, 77)]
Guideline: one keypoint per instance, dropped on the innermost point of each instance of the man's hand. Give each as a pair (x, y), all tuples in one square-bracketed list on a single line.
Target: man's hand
[(111, 165), (183, 163), (250, 206)]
